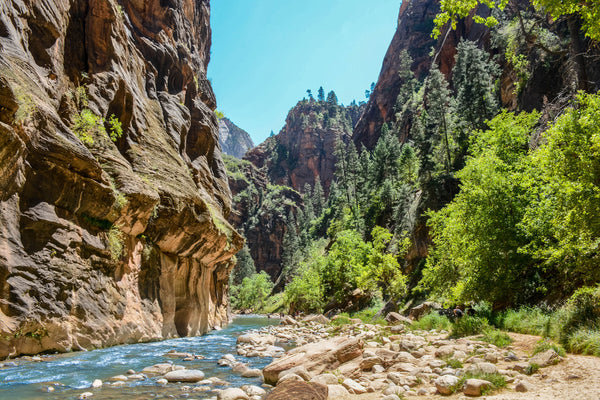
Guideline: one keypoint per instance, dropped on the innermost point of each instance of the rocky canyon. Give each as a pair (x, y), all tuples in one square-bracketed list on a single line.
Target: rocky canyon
[(113, 195)]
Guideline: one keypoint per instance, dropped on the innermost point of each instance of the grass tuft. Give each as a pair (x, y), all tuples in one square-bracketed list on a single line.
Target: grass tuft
[(431, 321)]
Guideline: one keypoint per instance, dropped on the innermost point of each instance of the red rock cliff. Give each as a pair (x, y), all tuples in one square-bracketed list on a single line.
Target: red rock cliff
[(109, 242)]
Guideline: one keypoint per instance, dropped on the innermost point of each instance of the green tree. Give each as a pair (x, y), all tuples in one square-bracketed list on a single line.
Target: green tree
[(318, 197), (478, 236), (252, 292), (244, 267), (474, 75), (439, 120), (321, 94)]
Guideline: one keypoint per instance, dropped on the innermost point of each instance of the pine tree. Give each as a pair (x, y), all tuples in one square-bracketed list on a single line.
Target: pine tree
[(321, 94), (332, 99), (244, 268), (291, 247), (439, 121), (318, 197), (474, 74)]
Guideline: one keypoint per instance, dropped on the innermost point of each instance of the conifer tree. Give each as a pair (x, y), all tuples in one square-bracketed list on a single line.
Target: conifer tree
[(439, 124), (321, 94), (332, 99), (291, 247), (244, 268), (318, 197)]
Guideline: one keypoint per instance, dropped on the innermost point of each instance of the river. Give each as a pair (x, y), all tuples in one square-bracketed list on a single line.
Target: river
[(73, 373)]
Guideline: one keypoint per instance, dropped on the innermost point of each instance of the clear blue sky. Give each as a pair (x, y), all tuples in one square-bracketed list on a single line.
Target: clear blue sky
[(266, 53)]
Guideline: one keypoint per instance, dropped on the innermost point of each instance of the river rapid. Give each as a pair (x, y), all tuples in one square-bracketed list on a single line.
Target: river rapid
[(72, 374)]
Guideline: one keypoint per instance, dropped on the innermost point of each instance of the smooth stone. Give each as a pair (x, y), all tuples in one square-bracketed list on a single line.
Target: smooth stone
[(86, 395), (522, 387), (136, 377), (118, 378), (130, 372), (97, 383), (253, 390), (50, 389), (353, 386), (336, 392), (299, 370), (474, 387), (232, 394), (252, 373), (325, 379), (445, 383), (158, 369), (187, 375), (162, 381)]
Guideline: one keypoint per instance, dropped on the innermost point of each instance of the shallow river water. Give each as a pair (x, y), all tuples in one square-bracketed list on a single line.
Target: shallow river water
[(73, 373)]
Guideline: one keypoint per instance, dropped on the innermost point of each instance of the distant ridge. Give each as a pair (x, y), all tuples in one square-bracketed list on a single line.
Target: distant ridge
[(234, 140)]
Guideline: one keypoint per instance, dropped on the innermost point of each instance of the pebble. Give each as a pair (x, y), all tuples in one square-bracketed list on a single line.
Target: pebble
[(97, 383), (86, 395)]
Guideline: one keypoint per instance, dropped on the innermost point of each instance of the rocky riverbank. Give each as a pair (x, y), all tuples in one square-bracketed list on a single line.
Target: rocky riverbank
[(316, 359)]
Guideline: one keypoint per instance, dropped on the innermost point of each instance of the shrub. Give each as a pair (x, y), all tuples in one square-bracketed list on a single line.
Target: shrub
[(547, 344), (453, 362), (585, 341), (431, 321), (469, 325), (531, 369), (85, 123), (116, 128), (528, 320), (496, 337), (252, 292), (342, 319), (584, 310), (115, 242)]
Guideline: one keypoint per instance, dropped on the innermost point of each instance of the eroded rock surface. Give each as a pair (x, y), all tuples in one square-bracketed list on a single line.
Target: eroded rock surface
[(109, 242)]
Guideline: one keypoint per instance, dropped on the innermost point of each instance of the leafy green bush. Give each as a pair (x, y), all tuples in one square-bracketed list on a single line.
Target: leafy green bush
[(431, 321), (496, 337), (584, 310), (252, 292), (116, 128), (528, 320), (585, 341), (84, 125), (469, 325), (341, 319)]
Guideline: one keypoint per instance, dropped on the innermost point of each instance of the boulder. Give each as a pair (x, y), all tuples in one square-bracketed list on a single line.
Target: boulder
[(318, 318), (353, 387), (232, 394), (288, 320), (394, 318), (289, 377), (299, 370), (474, 387), (421, 310), (445, 384), (252, 373), (253, 390), (185, 375), (483, 368), (158, 369), (315, 357), (522, 387), (325, 379), (545, 358), (337, 392), (298, 390)]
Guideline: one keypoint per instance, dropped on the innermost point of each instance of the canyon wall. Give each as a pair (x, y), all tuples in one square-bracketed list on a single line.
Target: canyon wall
[(109, 241), (234, 140)]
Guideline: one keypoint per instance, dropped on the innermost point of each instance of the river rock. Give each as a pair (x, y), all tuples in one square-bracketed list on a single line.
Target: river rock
[(316, 357), (522, 387), (288, 320), (337, 392), (483, 368), (186, 375), (97, 383), (118, 378), (474, 387), (545, 358), (253, 390), (394, 318), (318, 318), (232, 394), (445, 383), (298, 390), (252, 373), (158, 369), (162, 381), (289, 377), (353, 387), (325, 379), (299, 370), (86, 395)]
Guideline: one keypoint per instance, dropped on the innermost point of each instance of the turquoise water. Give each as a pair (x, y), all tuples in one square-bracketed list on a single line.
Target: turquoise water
[(73, 373)]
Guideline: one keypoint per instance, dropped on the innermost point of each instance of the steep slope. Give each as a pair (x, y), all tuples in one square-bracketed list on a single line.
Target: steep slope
[(260, 211), (550, 74), (234, 140), (109, 242), (302, 150)]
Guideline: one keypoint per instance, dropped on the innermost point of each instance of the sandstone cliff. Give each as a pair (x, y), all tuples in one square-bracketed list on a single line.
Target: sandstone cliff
[(234, 140), (109, 242), (303, 149)]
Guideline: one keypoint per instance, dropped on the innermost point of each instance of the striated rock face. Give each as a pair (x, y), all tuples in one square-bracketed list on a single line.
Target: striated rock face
[(303, 149), (109, 242), (234, 140)]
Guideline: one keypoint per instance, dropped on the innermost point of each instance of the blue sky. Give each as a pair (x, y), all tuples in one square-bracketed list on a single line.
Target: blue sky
[(266, 53)]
